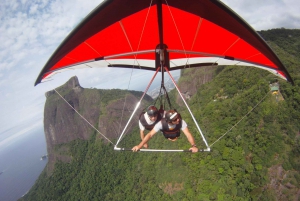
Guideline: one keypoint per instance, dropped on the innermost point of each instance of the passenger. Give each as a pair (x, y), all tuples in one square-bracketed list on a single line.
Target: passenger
[(170, 127), (148, 120)]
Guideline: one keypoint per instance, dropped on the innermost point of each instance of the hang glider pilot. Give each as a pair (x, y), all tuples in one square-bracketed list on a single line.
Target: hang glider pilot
[(170, 127), (148, 120)]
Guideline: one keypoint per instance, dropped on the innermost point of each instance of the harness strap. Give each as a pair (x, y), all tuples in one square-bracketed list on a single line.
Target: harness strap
[(163, 97), (170, 133)]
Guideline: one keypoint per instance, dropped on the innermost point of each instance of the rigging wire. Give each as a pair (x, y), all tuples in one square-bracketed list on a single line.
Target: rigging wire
[(135, 59), (180, 38), (241, 119), (136, 107), (163, 93), (196, 124), (127, 86), (83, 117), (194, 40), (181, 41), (146, 19), (122, 115)]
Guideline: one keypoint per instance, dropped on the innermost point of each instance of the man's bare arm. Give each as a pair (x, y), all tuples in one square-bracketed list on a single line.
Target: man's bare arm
[(190, 139), (145, 140)]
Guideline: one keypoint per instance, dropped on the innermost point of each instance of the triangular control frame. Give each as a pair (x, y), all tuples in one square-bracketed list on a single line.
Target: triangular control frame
[(162, 56), (162, 63)]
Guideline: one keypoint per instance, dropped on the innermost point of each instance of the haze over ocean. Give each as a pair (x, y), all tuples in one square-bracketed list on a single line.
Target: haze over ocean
[(20, 158), (21, 165)]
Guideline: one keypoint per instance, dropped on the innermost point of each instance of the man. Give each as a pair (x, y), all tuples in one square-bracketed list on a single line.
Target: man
[(170, 127), (148, 120)]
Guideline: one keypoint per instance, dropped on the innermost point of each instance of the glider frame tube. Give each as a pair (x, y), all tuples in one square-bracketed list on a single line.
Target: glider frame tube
[(161, 150), (265, 67), (136, 107), (203, 138)]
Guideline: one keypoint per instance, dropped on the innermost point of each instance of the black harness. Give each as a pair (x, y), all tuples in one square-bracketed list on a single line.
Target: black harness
[(145, 124), (172, 134)]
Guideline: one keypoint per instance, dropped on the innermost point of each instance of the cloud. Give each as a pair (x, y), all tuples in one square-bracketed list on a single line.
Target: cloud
[(13, 134), (35, 25), (33, 9), (30, 32), (268, 14)]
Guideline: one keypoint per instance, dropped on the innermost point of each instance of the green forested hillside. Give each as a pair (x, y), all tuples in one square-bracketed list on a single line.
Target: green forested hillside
[(258, 159)]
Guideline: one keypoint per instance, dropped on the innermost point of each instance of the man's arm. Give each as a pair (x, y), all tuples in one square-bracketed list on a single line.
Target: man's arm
[(145, 140), (142, 129), (190, 138), (142, 137)]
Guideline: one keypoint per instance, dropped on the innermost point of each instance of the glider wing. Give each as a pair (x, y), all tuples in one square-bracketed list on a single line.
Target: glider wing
[(126, 33)]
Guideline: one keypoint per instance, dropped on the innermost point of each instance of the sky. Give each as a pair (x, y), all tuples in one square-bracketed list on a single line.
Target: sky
[(31, 30)]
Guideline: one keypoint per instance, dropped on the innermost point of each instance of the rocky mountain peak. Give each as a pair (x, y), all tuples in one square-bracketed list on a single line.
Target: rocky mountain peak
[(101, 108), (73, 83)]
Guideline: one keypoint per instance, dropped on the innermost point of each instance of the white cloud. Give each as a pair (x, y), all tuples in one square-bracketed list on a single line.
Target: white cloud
[(33, 9), (30, 32), (23, 1), (9, 137), (268, 14), (13, 5)]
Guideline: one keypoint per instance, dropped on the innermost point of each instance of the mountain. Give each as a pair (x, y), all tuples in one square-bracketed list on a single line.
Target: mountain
[(253, 134), (72, 112)]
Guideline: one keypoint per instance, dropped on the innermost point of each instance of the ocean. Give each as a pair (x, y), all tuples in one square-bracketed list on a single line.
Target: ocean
[(20, 165)]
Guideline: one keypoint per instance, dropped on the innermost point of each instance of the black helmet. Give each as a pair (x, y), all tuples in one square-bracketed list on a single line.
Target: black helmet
[(170, 115), (152, 110)]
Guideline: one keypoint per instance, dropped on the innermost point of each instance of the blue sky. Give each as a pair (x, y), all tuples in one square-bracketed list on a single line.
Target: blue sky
[(31, 30)]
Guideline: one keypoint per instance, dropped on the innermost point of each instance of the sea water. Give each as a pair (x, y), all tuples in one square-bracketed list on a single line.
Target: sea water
[(20, 165)]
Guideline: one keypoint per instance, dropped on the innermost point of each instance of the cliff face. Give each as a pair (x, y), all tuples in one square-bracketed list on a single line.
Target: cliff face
[(100, 108), (192, 79)]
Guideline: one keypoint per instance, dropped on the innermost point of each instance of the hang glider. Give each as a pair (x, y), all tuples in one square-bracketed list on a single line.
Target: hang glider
[(181, 34), (162, 35)]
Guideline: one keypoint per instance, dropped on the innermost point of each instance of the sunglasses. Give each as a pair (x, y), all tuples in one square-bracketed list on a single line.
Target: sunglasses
[(174, 120)]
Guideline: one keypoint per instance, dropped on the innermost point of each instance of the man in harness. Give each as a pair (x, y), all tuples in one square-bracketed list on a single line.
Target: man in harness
[(147, 120), (170, 127)]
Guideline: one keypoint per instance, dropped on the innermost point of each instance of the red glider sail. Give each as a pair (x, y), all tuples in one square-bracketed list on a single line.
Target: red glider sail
[(129, 33)]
